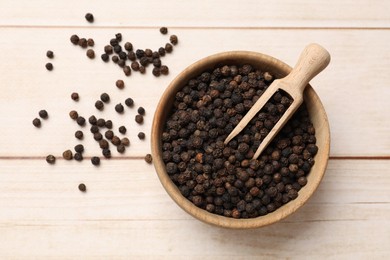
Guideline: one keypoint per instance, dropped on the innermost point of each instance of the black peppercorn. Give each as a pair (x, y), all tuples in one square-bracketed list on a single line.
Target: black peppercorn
[(168, 48), (108, 49), (73, 114), (125, 141), (49, 66), (105, 57), (79, 134), (127, 70), (95, 160), (131, 56), (92, 120), (99, 105), (135, 66), (139, 119), (101, 122), (122, 129), (121, 148), (78, 156), (90, 42), (108, 124), (114, 42), (148, 158), (142, 69), (43, 114), (82, 187), (141, 111), (97, 136), (173, 39), (74, 39), (163, 30), (161, 51), (144, 61), (50, 159), (141, 135), (75, 96), (115, 59), (119, 108), (89, 17), (79, 148), (129, 102), (164, 70), (156, 71), (80, 121), (106, 153), (122, 55), (139, 53), (109, 134), (128, 46), (50, 54), (120, 84), (115, 140), (83, 43), (90, 53), (103, 144), (36, 122), (121, 63), (67, 155), (105, 97), (118, 36), (117, 49)]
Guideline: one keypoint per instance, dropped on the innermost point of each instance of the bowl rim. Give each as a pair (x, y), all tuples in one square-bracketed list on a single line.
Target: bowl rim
[(172, 190)]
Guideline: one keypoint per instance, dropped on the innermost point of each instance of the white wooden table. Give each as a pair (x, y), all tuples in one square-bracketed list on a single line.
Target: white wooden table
[(126, 213)]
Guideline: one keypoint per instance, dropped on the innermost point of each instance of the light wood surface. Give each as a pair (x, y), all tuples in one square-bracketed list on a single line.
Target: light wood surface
[(126, 213)]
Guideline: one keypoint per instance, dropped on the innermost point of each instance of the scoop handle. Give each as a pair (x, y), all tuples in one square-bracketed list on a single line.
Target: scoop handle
[(314, 58)]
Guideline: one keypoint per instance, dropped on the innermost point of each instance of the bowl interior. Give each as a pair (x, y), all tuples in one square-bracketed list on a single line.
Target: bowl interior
[(279, 70)]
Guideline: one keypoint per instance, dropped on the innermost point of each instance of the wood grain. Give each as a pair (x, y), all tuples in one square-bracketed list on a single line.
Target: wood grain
[(126, 212), (358, 111), (205, 14)]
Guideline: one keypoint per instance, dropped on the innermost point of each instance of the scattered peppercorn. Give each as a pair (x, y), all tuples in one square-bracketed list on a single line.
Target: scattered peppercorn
[(49, 66), (129, 102), (74, 39), (106, 153), (122, 129), (89, 17), (43, 114), (90, 42), (99, 105), (92, 120), (79, 148), (118, 36), (82, 187), (105, 97), (141, 111), (83, 43), (50, 54), (101, 122), (105, 57), (119, 108), (109, 134), (139, 119), (78, 156), (164, 70), (90, 53), (108, 124), (108, 49), (115, 59), (103, 144), (168, 48), (67, 155), (161, 51), (141, 135), (121, 148), (156, 71), (75, 96), (135, 66), (36, 122), (79, 134), (125, 141), (95, 160), (120, 84), (128, 46), (127, 70), (80, 121), (142, 69), (173, 39), (148, 158), (115, 140), (163, 30), (73, 114), (50, 159)]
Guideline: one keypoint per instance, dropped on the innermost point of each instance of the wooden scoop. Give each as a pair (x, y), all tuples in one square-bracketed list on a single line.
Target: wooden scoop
[(312, 61)]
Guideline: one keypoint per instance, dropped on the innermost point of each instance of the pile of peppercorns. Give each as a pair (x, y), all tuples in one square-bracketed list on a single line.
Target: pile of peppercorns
[(224, 179), (139, 59)]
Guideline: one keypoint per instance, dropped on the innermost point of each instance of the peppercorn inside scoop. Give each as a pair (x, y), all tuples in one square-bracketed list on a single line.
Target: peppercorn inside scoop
[(224, 179)]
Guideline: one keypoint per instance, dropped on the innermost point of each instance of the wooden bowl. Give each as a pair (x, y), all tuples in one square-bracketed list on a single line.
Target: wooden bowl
[(264, 63)]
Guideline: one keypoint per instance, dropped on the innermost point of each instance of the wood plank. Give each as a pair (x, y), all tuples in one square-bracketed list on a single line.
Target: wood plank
[(355, 97), (126, 213), (290, 13)]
